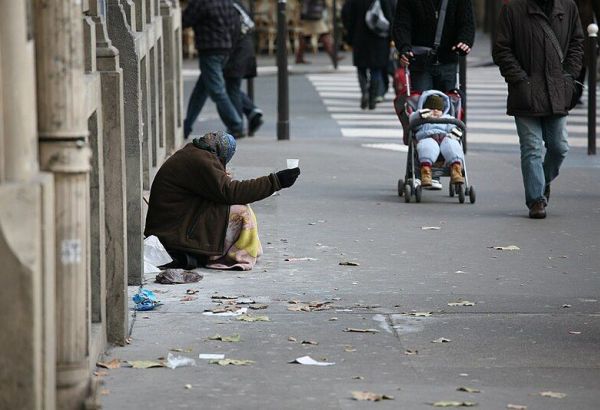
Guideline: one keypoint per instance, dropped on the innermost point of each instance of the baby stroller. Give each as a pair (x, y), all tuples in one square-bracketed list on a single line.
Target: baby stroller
[(407, 102)]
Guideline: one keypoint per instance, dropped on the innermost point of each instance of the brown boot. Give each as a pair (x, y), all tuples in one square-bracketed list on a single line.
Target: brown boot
[(425, 175), (456, 174)]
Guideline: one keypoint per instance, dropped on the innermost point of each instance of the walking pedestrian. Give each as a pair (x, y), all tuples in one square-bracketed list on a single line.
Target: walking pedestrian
[(242, 65), (216, 25), (312, 20), (433, 66), (200, 213), (539, 50), (370, 51)]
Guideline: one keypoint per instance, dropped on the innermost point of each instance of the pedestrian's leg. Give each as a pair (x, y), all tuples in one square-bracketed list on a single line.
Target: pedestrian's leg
[(195, 104), (374, 86), (363, 82), (300, 51), (215, 87), (555, 139), (327, 42), (234, 91), (253, 114), (248, 105), (532, 144)]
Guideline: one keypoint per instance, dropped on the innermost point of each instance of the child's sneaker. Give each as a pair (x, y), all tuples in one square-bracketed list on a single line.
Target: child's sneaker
[(425, 175), (456, 174)]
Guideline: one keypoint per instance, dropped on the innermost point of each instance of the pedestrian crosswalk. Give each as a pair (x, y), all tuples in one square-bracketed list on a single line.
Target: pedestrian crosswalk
[(487, 122)]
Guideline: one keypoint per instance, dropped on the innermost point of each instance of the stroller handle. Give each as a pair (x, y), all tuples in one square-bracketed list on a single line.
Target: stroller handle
[(416, 121)]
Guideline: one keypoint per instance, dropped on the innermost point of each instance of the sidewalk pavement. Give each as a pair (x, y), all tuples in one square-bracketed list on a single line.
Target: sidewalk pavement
[(530, 337)]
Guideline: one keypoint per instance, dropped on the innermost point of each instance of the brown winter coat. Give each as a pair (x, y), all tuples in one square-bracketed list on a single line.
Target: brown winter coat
[(190, 199), (538, 84)]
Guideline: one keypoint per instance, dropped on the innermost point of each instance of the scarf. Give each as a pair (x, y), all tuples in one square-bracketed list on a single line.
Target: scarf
[(219, 143)]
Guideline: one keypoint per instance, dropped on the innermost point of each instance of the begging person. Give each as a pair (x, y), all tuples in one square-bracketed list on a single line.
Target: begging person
[(200, 214)]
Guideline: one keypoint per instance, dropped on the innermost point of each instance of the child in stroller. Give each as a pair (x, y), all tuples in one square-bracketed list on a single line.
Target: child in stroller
[(433, 138)]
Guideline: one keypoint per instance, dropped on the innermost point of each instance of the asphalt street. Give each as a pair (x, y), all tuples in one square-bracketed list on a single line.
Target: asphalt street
[(530, 335)]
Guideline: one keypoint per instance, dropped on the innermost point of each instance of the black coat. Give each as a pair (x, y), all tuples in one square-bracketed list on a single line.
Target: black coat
[(415, 24), (216, 25), (538, 83), (368, 49), (242, 60)]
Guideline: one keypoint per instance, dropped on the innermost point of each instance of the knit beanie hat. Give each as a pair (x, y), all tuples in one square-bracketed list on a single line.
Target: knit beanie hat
[(219, 143), (434, 102)]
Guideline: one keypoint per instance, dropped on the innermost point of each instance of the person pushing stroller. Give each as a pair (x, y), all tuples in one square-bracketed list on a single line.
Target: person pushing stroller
[(433, 138)]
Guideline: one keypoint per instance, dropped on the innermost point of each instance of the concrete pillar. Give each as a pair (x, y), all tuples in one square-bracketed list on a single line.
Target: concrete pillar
[(120, 14), (111, 75), (64, 151), (27, 348)]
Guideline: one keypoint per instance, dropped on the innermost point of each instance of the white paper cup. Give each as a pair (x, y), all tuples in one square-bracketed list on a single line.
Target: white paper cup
[(292, 163)]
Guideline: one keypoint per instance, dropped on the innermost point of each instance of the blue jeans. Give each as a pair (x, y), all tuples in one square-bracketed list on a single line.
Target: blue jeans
[(440, 77), (535, 133), (212, 84)]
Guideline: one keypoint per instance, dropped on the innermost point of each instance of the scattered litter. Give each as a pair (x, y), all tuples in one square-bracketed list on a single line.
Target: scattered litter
[(349, 349), (224, 309), (430, 228), (211, 356), (454, 404), (292, 339), (258, 306), (419, 314), (348, 263), (309, 342), (299, 259), (516, 407), (232, 362), (250, 318), (468, 389), (464, 374), (565, 306), (188, 386), (333, 319), (358, 378), (573, 332), (180, 350), (441, 340), (353, 329), (219, 312), (410, 352), (343, 310), (299, 308), (552, 394), (245, 301), (460, 271), (175, 361), (309, 361), (219, 296), (145, 364), (155, 255), (175, 276), (370, 396), (506, 248), (233, 338), (145, 300), (191, 291), (461, 303), (113, 364)]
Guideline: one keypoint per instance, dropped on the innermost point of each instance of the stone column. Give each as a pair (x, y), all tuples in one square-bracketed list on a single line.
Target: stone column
[(27, 348), (64, 151)]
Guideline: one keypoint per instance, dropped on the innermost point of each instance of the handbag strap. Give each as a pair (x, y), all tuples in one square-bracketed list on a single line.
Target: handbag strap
[(440, 25), (552, 37)]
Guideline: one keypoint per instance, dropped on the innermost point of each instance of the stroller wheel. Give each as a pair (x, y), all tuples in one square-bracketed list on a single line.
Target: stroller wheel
[(472, 196), (400, 187), (451, 190), (407, 193), (460, 189), (418, 191)]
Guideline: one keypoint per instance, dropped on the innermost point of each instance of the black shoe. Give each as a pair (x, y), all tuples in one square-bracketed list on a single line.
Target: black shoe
[(372, 104), (186, 131), (547, 192), (254, 122), (364, 102), (538, 210)]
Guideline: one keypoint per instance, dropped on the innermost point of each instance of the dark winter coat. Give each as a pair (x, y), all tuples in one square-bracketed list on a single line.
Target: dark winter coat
[(368, 49), (190, 199), (216, 25), (242, 60), (415, 24), (538, 83)]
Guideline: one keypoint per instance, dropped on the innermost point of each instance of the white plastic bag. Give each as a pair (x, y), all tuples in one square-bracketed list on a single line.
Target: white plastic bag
[(175, 361), (155, 254)]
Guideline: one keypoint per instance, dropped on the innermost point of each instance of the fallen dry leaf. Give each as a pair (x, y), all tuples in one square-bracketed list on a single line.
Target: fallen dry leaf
[(192, 291), (309, 342), (223, 309), (441, 340), (419, 314), (113, 364), (180, 350), (353, 329), (232, 362), (348, 263), (333, 319), (461, 303), (233, 338), (145, 364), (219, 296), (454, 404), (358, 378), (349, 349), (506, 248), (250, 318), (468, 389), (299, 259), (516, 407), (258, 306), (566, 306), (292, 339), (370, 396), (411, 352), (552, 394), (187, 298), (299, 308)]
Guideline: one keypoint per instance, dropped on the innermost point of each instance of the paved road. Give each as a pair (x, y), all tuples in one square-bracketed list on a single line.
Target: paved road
[(534, 326)]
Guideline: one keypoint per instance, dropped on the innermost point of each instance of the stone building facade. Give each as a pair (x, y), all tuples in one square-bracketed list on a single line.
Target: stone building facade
[(90, 106)]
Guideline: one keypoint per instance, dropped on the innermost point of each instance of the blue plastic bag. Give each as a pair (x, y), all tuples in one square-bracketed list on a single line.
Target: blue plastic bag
[(145, 300)]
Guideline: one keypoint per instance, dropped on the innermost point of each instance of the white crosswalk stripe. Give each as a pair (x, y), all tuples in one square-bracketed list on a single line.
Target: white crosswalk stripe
[(487, 122)]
